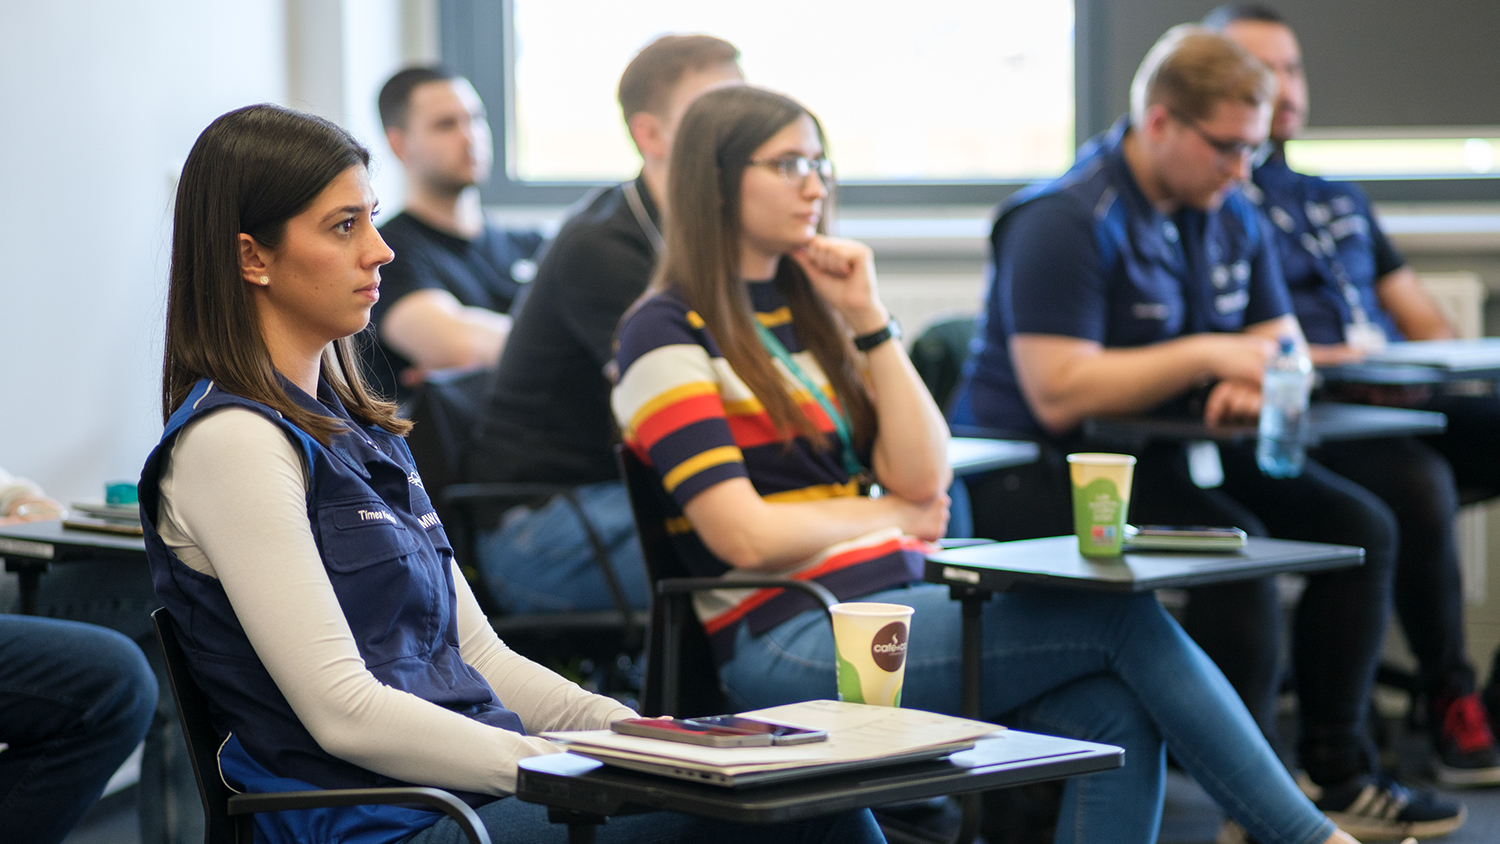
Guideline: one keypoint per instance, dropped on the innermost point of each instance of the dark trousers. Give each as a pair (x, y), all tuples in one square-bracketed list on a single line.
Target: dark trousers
[(1339, 623), (118, 595), (75, 700), (1420, 480)]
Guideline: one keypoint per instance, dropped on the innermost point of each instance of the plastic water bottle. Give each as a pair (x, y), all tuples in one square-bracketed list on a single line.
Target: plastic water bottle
[(1282, 448)]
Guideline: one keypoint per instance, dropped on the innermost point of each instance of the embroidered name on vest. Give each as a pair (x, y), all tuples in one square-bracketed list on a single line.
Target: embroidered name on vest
[(359, 516)]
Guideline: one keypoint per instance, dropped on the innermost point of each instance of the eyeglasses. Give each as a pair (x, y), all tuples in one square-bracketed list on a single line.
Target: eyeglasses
[(1228, 151), (795, 169)]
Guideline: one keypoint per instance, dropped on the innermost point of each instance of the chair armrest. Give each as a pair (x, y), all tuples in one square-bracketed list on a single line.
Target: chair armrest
[(467, 820), (684, 585)]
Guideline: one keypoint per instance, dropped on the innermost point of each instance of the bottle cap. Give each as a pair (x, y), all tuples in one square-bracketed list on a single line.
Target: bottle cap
[(119, 492)]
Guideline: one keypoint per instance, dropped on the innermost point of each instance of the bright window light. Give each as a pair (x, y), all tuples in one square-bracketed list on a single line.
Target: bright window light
[(966, 90), (1437, 153)]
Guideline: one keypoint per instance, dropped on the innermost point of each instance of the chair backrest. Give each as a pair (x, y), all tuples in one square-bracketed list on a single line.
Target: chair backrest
[(938, 355), (446, 408), (697, 692), (202, 739), (445, 411)]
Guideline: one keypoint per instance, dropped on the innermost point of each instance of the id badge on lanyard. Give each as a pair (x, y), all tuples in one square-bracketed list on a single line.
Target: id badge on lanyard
[(1365, 336), (1359, 332)]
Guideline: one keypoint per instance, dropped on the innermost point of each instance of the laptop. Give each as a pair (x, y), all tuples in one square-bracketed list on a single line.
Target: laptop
[(732, 778)]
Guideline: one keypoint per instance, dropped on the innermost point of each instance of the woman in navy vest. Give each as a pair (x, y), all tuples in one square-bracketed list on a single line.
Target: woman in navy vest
[(291, 539)]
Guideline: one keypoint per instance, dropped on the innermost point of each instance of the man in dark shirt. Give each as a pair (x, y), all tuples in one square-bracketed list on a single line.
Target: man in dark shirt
[(549, 417), (444, 298), (1352, 291)]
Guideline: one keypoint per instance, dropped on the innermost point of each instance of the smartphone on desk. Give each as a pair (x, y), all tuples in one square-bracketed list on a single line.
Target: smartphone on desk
[(718, 731), (1183, 538)]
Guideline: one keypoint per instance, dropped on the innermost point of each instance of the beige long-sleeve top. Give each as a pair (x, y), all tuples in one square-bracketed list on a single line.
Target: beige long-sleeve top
[(233, 506)]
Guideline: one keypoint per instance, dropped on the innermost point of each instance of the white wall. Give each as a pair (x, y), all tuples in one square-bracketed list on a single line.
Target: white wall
[(100, 102)]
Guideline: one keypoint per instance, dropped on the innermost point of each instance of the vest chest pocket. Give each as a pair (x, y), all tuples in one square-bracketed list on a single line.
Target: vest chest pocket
[(358, 534)]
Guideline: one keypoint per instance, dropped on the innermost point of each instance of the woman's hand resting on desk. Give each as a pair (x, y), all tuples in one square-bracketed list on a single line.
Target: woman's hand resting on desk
[(32, 508)]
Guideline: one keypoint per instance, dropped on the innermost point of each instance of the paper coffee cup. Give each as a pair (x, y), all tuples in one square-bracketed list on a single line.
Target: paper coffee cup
[(1101, 496), (870, 644)]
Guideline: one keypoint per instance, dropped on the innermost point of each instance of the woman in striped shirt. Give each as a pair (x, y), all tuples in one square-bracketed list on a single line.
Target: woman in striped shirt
[(759, 378)]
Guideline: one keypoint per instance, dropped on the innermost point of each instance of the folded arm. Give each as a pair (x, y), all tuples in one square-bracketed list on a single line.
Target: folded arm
[(435, 331)]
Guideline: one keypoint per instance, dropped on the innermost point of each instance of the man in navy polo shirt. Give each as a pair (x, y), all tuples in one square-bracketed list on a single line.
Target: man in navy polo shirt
[(1351, 290), (1144, 275)]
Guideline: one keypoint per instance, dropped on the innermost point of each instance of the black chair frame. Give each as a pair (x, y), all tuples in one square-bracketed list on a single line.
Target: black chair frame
[(446, 409), (228, 816)]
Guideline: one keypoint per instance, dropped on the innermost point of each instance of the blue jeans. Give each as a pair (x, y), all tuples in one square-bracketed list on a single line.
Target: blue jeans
[(1096, 666), (118, 595), (511, 821), (540, 561), (75, 700)]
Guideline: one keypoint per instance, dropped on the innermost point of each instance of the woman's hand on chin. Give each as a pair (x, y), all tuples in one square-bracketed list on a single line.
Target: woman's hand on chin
[(843, 273)]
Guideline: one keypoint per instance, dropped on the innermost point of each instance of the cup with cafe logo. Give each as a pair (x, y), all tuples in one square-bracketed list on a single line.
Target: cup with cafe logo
[(1101, 495), (870, 644)]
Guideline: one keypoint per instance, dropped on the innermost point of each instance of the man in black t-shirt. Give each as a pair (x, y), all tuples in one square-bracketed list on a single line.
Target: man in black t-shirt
[(549, 417), (444, 298)]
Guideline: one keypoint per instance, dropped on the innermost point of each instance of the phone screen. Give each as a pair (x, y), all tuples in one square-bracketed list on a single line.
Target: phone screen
[(717, 731), (746, 725)]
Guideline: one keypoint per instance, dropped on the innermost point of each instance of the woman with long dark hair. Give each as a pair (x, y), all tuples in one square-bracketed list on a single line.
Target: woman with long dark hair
[(760, 378), (291, 539)]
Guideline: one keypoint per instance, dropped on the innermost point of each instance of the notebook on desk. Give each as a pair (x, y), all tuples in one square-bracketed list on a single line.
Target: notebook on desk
[(1456, 355), (859, 736)]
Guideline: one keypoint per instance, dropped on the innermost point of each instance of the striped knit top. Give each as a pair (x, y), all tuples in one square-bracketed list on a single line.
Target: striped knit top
[(689, 416)]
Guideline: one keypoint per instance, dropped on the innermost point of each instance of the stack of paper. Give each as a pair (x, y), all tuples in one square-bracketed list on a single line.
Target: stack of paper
[(1457, 355), (858, 735), (123, 519)]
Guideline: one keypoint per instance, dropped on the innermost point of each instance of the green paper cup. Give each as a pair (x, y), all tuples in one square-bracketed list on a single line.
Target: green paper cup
[(1101, 496), (870, 641)]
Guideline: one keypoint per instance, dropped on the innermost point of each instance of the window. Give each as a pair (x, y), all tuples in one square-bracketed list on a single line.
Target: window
[(1399, 153), (967, 90), (951, 92)]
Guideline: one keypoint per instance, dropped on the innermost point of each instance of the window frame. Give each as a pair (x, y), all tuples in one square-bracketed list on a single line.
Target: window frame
[(469, 29)]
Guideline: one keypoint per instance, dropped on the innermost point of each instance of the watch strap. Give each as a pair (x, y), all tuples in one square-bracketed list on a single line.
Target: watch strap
[(866, 342)]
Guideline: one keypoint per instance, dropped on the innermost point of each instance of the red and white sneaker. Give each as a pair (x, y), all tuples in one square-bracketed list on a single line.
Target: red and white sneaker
[(1466, 754)]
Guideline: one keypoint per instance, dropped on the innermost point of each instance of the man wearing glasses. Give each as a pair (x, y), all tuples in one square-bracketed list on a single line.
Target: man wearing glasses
[(1352, 291), (1143, 280)]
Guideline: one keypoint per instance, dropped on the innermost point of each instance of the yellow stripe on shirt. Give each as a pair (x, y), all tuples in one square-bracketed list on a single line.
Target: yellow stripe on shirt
[(771, 319), (820, 492), (668, 398), (700, 462)]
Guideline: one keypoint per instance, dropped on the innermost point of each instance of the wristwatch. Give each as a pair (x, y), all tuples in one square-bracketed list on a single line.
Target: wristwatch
[(889, 331)]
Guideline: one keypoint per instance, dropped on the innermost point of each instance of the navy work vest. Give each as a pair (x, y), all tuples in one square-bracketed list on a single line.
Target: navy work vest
[(388, 560), (1165, 276)]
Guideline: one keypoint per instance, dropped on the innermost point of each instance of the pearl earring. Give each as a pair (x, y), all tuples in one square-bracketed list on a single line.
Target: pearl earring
[(265, 280)]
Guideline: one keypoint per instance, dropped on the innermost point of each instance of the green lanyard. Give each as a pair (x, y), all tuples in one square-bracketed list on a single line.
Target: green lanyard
[(841, 424)]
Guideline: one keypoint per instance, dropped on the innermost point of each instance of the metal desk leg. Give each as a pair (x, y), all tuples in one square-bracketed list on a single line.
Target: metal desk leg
[(29, 583), (972, 600), (581, 825)]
